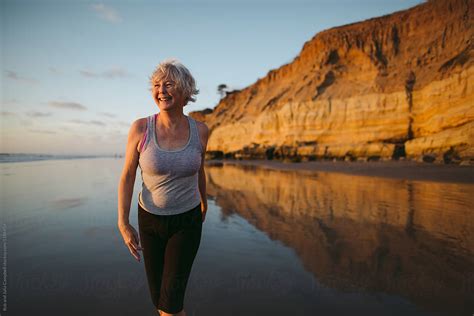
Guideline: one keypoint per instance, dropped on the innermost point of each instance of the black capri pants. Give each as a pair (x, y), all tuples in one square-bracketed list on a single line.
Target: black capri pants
[(170, 244)]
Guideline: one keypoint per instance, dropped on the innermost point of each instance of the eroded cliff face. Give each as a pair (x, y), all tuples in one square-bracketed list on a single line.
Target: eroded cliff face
[(396, 86)]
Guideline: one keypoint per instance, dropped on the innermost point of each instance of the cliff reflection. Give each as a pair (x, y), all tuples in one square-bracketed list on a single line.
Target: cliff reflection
[(407, 238)]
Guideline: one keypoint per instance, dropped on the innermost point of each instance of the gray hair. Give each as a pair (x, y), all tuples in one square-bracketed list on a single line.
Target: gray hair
[(171, 68)]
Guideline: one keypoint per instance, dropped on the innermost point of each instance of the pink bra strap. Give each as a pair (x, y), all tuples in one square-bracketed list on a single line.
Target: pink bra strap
[(150, 120), (144, 139)]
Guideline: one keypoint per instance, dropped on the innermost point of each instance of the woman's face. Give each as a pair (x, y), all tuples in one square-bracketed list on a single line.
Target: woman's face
[(167, 95)]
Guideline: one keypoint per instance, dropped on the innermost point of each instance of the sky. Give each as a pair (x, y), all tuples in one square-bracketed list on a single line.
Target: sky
[(75, 74)]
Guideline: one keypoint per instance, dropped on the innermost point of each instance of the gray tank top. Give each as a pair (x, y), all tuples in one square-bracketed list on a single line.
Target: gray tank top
[(170, 177)]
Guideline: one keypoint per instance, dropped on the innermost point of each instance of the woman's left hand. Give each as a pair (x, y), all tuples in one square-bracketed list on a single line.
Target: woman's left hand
[(203, 211)]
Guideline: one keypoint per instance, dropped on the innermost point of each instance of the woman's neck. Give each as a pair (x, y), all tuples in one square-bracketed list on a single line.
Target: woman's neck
[(170, 120)]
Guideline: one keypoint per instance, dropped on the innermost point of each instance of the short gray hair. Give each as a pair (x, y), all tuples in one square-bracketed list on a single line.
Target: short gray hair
[(171, 68)]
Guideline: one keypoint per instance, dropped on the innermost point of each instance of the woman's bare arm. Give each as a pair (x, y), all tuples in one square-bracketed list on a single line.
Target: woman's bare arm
[(125, 187), (203, 135)]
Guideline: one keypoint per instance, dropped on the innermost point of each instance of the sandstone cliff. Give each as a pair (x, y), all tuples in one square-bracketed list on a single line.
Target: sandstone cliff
[(396, 86)]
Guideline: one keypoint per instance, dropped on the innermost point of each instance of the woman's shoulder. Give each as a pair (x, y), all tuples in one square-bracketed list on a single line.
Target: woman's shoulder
[(203, 132), (139, 125), (138, 129), (202, 127)]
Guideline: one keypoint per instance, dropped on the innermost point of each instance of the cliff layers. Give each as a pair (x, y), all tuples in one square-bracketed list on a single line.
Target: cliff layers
[(396, 86)]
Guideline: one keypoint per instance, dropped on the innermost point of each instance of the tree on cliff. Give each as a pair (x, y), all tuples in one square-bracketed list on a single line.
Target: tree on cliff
[(222, 90)]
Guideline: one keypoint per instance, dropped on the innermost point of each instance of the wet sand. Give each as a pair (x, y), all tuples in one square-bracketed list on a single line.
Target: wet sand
[(292, 242), (409, 170)]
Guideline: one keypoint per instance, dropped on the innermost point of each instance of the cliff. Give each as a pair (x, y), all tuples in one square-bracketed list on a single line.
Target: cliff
[(396, 86)]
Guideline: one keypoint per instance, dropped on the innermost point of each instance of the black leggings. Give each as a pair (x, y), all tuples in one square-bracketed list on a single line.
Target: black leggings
[(170, 244)]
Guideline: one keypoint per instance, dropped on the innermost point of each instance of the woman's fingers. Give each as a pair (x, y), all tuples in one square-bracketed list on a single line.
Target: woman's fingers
[(136, 246), (136, 240), (133, 249), (203, 211), (132, 241), (134, 253)]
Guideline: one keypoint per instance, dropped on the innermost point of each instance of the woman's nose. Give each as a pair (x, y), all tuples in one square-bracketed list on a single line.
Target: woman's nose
[(161, 88)]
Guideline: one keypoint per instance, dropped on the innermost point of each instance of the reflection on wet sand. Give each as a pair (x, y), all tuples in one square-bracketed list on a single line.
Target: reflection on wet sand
[(400, 237)]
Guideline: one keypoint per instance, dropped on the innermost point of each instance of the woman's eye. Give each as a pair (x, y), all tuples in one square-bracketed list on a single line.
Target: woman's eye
[(168, 85)]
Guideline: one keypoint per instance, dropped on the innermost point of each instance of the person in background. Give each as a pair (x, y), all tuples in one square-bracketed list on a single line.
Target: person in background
[(169, 147)]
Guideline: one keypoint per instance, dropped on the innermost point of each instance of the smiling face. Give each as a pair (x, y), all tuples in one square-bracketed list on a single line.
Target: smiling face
[(167, 95)]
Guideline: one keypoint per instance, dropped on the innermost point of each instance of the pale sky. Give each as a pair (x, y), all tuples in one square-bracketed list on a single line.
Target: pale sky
[(75, 73)]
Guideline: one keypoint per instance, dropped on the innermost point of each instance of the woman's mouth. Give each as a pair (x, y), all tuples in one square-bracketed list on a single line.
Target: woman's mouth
[(164, 99)]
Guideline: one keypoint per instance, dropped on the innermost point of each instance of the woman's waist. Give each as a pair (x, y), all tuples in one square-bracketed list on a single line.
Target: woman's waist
[(168, 204)]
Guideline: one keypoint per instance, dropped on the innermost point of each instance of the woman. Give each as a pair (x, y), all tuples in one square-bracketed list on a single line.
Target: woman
[(169, 147)]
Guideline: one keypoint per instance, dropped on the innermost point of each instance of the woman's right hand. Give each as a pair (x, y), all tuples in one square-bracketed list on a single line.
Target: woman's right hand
[(130, 237)]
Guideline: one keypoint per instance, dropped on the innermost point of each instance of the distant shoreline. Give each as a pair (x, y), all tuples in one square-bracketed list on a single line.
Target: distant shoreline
[(21, 157), (407, 170)]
